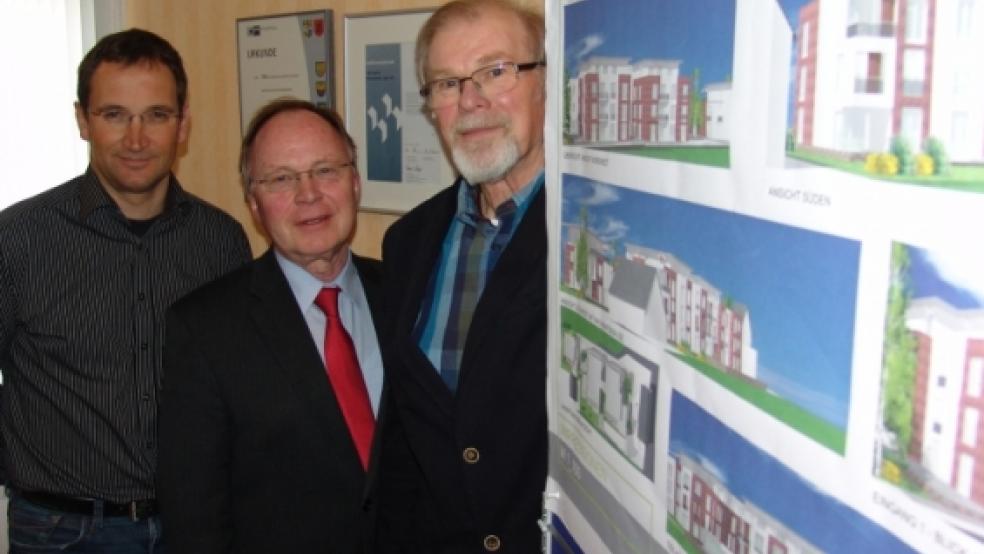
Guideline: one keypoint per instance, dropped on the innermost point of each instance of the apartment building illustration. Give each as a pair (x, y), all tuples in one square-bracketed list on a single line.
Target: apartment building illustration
[(607, 388), (717, 104), (621, 392), (718, 521), (673, 304), (599, 265), (869, 70), (948, 400), (615, 100), (656, 295)]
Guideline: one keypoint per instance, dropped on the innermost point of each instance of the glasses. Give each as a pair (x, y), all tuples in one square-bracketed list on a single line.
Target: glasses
[(121, 117), (285, 180), (491, 80)]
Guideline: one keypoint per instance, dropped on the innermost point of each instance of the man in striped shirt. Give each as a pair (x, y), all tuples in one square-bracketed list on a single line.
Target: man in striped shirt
[(87, 270), (464, 460)]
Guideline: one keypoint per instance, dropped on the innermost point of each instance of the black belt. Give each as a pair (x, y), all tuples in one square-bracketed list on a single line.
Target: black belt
[(136, 510)]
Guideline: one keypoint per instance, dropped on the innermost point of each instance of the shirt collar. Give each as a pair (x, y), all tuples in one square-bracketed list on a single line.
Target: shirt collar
[(468, 210), (306, 286), (92, 195)]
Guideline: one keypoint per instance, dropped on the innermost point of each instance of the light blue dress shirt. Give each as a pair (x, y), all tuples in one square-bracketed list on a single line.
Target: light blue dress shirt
[(353, 309)]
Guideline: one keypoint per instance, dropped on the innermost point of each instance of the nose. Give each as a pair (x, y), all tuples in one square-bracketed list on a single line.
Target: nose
[(307, 190), (470, 95), (135, 137)]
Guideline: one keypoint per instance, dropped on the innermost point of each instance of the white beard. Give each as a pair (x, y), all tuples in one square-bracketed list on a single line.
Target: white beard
[(486, 165), (486, 161)]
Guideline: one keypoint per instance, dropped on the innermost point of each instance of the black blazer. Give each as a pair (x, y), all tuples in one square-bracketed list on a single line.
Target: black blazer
[(460, 470), (255, 455)]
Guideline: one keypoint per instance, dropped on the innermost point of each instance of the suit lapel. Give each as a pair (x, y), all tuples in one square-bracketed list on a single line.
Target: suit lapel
[(281, 325), (371, 279), (526, 249), (419, 269)]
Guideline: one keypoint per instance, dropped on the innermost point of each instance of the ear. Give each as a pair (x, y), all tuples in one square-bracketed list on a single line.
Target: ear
[(82, 119), (356, 188), (184, 126), (254, 210)]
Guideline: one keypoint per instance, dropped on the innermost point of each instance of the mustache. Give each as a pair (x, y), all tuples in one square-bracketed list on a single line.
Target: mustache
[(479, 121)]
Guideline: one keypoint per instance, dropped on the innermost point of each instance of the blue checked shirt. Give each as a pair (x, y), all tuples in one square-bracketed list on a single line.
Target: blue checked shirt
[(468, 256)]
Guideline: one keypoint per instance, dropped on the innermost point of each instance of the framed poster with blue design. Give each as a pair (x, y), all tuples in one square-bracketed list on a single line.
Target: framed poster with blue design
[(400, 157), (286, 55)]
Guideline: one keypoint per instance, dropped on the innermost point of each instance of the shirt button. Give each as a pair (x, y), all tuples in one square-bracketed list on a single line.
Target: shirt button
[(143, 346), (149, 445), (140, 296), (145, 397), (491, 543), (470, 455)]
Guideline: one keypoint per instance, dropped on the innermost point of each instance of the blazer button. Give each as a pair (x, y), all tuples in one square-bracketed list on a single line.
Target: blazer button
[(492, 543), (470, 455)]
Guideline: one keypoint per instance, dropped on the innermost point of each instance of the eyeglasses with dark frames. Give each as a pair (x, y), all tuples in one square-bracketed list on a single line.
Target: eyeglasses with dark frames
[(491, 80)]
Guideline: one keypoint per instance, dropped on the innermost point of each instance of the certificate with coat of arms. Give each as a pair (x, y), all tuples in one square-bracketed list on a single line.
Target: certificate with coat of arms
[(284, 55)]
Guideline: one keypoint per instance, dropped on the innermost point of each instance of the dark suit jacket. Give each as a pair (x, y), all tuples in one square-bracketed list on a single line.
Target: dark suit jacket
[(255, 455), (433, 499)]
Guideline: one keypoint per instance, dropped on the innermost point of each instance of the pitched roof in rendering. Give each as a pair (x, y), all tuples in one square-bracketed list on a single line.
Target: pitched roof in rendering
[(633, 283)]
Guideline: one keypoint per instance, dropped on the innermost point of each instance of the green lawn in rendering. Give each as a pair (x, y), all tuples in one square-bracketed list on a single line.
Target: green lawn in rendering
[(814, 427), (569, 319), (818, 429), (714, 156), (968, 178), (682, 537)]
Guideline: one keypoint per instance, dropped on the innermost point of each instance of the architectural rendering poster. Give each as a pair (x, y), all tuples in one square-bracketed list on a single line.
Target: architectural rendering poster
[(767, 299)]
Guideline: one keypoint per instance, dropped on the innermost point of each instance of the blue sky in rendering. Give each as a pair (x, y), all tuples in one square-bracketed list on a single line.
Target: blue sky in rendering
[(791, 8), (699, 33), (754, 476), (799, 286), (956, 277)]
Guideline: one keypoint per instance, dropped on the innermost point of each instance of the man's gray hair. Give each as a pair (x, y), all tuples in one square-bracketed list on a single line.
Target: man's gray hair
[(471, 10)]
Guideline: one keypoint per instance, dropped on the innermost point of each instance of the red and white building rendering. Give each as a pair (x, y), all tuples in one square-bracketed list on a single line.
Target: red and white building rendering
[(948, 430), (718, 521), (654, 294), (681, 308), (868, 70), (598, 266), (615, 101)]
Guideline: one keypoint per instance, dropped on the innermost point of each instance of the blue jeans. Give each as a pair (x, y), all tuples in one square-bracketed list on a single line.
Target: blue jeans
[(35, 529)]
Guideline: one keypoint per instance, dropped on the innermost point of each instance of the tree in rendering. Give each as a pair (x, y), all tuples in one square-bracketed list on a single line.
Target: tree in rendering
[(900, 353), (581, 254)]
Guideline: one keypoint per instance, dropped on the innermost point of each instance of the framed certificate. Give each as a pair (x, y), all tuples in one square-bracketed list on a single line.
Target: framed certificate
[(400, 156), (284, 55)]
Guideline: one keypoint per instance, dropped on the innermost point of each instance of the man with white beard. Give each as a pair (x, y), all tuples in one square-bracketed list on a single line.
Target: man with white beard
[(464, 456)]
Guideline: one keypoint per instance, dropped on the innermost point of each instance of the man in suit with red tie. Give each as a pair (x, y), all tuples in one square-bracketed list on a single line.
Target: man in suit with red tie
[(273, 377)]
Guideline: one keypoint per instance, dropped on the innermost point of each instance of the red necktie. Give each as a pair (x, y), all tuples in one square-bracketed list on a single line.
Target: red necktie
[(345, 375)]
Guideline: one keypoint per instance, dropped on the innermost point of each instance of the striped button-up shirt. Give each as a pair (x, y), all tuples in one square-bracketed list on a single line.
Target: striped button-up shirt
[(468, 256), (82, 302)]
